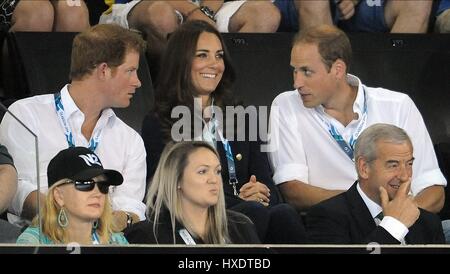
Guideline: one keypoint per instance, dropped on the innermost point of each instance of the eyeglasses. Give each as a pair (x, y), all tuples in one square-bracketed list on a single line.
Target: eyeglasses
[(89, 185)]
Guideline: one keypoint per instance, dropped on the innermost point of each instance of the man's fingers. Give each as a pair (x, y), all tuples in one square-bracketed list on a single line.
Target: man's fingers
[(347, 9), (404, 188), (383, 197)]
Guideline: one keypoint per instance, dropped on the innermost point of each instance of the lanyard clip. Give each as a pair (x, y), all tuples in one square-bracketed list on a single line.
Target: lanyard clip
[(233, 182)]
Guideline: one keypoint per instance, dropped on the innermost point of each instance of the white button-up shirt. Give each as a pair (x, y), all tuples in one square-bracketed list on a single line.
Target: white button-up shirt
[(301, 148), (121, 148)]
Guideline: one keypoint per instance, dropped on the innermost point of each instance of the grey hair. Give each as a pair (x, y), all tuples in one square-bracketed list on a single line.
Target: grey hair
[(366, 144)]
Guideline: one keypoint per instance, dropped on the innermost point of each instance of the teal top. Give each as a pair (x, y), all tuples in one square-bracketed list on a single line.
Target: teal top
[(31, 237)]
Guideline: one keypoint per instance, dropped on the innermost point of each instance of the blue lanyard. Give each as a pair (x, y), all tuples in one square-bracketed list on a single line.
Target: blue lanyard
[(93, 143), (228, 152), (230, 162), (347, 148), (95, 239), (229, 155), (209, 133)]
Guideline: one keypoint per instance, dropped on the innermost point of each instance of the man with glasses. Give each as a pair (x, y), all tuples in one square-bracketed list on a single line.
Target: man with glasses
[(103, 71)]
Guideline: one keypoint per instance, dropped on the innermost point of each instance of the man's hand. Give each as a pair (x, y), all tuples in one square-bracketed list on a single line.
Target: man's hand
[(8, 178), (402, 207), (30, 205), (255, 191), (197, 14), (346, 9), (120, 220)]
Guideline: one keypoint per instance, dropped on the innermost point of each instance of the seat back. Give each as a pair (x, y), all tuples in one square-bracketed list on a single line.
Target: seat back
[(262, 66), (414, 64), (443, 156), (42, 65)]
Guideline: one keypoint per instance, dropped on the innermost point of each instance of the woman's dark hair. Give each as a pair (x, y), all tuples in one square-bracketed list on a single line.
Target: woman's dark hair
[(174, 85)]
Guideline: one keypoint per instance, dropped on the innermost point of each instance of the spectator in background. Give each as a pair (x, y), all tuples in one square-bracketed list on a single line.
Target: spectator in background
[(105, 59), (442, 24), (314, 127), (186, 204), (378, 207), (43, 15), (197, 76), (156, 19), (77, 207), (8, 187), (165, 16), (396, 16)]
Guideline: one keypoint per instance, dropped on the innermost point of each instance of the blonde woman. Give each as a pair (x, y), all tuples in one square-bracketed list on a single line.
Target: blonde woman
[(186, 204), (77, 207)]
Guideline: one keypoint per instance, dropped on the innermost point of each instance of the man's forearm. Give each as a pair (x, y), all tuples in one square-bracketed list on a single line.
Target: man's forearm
[(186, 6), (30, 206), (121, 220), (8, 179), (302, 196), (213, 4), (431, 198)]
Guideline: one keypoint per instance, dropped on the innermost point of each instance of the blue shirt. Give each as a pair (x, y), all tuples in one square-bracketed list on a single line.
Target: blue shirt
[(31, 237)]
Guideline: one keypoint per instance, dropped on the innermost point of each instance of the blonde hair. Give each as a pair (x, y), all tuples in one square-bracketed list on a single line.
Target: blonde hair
[(163, 192), (51, 228)]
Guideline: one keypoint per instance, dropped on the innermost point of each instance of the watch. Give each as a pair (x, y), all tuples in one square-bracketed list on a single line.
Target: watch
[(208, 12), (129, 219)]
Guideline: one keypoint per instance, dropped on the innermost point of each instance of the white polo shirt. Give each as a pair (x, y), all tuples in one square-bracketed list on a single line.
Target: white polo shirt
[(301, 148), (120, 148)]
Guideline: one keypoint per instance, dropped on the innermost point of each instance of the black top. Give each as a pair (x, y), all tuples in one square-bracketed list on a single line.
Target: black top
[(252, 160), (240, 228), (5, 157), (345, 219)]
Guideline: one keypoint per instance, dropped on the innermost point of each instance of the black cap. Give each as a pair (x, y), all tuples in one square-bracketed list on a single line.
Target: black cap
[(79, 164)]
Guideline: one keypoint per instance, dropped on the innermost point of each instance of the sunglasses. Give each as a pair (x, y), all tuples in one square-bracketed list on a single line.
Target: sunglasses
[(89, 185)]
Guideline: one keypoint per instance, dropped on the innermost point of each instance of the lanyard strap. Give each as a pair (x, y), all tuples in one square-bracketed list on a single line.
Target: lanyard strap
[(95, 239), (187, 238), (93, 143), (230, 162), (212, 130), (209, 132), (347, 148)]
